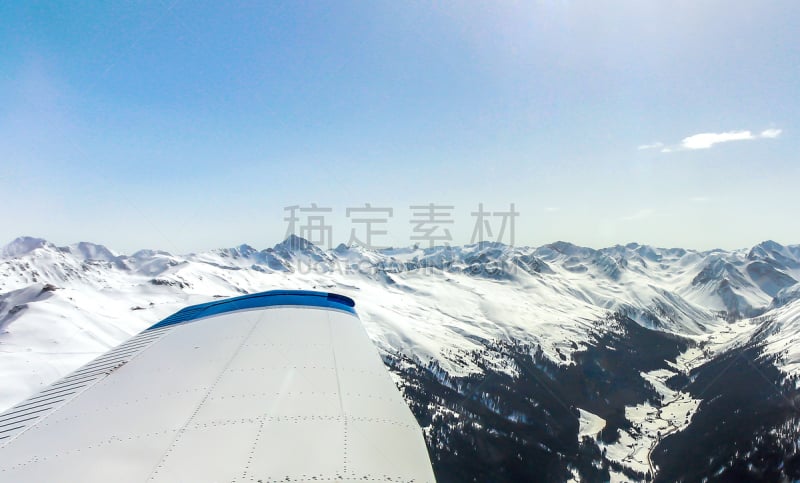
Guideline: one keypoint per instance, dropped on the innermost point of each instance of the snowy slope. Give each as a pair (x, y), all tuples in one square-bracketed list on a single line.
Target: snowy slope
[(62, 306), (424, 302)]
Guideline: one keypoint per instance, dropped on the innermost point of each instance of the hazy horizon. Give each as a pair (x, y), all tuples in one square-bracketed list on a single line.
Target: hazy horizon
[(261, 247)]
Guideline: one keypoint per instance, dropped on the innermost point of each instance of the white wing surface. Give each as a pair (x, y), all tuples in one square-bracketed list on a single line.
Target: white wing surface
[(276, 386)]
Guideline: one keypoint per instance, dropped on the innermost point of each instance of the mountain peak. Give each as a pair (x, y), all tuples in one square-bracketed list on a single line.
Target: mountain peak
[(773, 252), (294, 243), (242, 251), (568, 249), (93, 251), (23, 245)]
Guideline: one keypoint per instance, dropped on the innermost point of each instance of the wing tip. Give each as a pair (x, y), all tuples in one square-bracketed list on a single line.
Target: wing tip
[(300, 298)]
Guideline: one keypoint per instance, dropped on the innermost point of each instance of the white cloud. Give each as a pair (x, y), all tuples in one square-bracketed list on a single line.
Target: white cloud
[(654, 145), (707, 140)]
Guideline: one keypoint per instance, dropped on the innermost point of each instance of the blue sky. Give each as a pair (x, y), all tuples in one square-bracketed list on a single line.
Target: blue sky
[(192, 125)]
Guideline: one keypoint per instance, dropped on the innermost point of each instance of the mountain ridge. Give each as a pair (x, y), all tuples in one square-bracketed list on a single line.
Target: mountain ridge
[(446, 318)]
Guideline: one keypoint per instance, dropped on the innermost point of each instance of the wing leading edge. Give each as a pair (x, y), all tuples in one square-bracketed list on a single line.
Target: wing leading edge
[(281, 385)]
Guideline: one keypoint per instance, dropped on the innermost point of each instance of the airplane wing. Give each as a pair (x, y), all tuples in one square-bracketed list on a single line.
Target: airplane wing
[(274, 386)]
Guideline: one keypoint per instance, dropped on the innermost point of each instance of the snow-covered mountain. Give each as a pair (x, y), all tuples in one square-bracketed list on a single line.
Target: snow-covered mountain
[(560, 360)]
